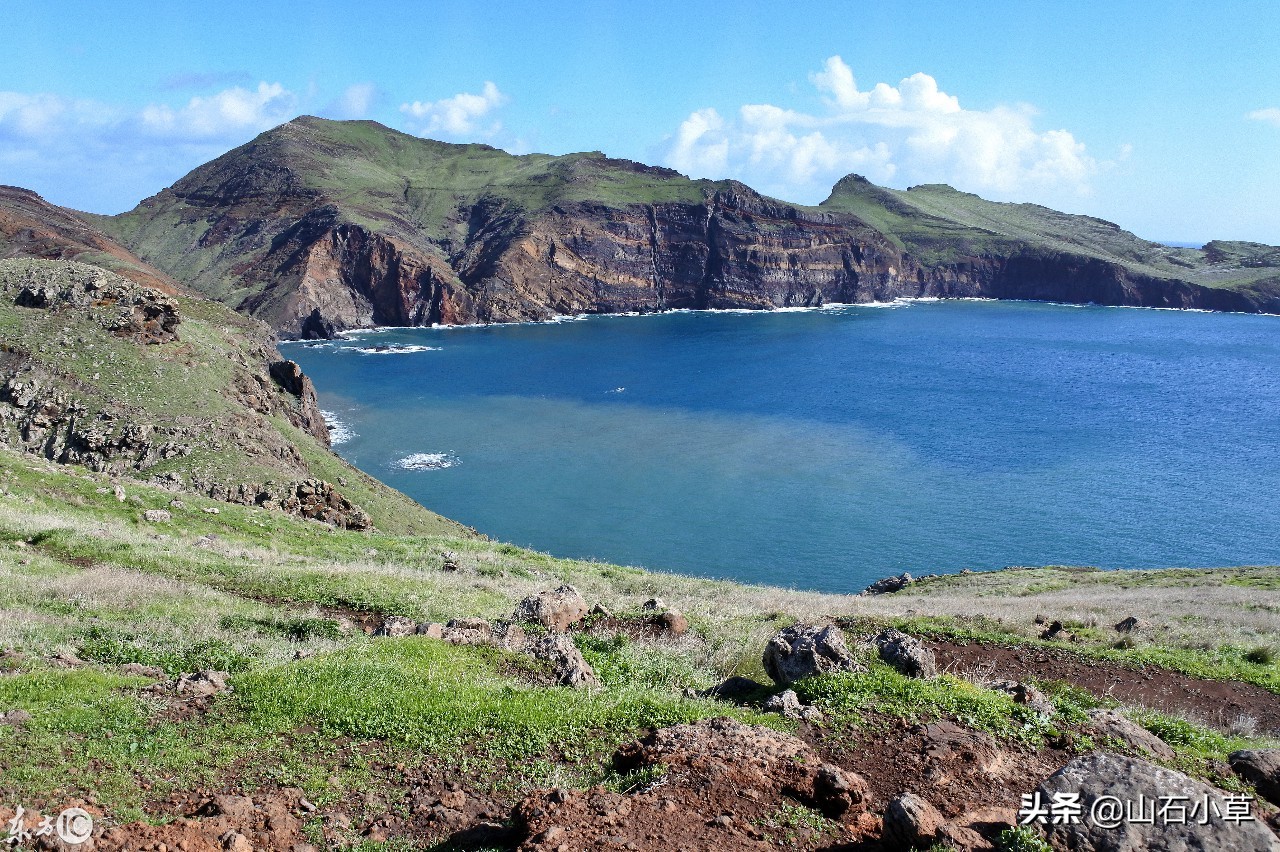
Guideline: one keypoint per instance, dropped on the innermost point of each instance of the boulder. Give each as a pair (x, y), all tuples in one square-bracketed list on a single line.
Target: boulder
[(673, 622), (653, 605), (910, 822), (1132, 624), (1109, 723), (1261, 768), (556, 610), (889, 585), (802, 651), (1132, 782), (157, 516), (906, 653), (1023, 693), (396, 625), (565, 658)]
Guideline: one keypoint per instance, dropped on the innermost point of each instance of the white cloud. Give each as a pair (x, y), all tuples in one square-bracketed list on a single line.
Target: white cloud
[(1271, 115), (463, 116), (909, 133), (104, 157), (230, 113), (356, 101)]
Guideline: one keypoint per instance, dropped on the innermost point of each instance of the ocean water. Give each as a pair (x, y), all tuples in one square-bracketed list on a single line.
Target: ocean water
[(824, 449)]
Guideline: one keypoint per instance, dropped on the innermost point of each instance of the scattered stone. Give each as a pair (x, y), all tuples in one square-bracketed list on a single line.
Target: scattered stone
[(653, 605), (431, 629), (1132, 624), (601, 611), (206, 542), (450, 565), (1127, 780), (306, 806), (1261, 768), (556, 610), (836, 791), (303, 654), (802, 651), (565, 658), (906, 653), (889, 585), (468, 631), (119, 492), (396, 625), (202, 684), (157, 516), (211, 510), (788, 704), (673, 622), (1024, 693), (1109, 723), (177, 504), (142, 670), (736, 689), (1058, 631), (67, 660)]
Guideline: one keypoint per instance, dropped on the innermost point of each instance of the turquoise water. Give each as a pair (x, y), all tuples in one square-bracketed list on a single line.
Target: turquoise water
[(824, 449)]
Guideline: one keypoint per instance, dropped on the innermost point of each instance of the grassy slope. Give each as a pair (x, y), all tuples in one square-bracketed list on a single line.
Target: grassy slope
[(941, 224), (187, 385), (81, 572)]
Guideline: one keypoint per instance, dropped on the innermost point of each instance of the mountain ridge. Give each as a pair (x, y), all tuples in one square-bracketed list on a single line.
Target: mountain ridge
[(316, 226)]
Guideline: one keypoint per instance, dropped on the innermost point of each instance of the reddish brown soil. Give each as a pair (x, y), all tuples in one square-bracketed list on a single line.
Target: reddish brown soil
[(1217, 703)]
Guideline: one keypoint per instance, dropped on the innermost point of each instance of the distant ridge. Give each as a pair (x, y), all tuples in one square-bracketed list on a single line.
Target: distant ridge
[(318, 225)]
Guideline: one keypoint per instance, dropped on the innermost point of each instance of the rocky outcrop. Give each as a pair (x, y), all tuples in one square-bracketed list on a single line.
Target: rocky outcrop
[(313, 499), (906, 653), (116, 304), (1109, 724), (803, 651)]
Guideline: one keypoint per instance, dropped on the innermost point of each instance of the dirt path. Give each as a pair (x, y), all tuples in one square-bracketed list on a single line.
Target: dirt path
[(1217, 703)]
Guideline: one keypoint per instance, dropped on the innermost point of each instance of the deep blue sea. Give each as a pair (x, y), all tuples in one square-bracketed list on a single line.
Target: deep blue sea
[(823, 449)]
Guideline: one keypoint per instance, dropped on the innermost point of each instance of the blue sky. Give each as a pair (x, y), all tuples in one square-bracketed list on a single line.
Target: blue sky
[(1163, 117)]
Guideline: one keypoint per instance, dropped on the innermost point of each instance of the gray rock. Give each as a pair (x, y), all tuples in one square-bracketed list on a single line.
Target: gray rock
[(556, 610), (788, 704), (802, 651), (1261, 768), (906, 653), (565, 658), (396, 625), (889, 585), (910, 822), (1024, 693), (1131, 780), (431, 629), (1109, 723), (157, 516), (654, 605)]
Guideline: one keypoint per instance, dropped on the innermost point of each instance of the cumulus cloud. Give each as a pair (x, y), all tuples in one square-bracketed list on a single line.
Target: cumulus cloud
[(1271, 115), (909, 133), (105, 157), (231, 113), (463, 116)]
